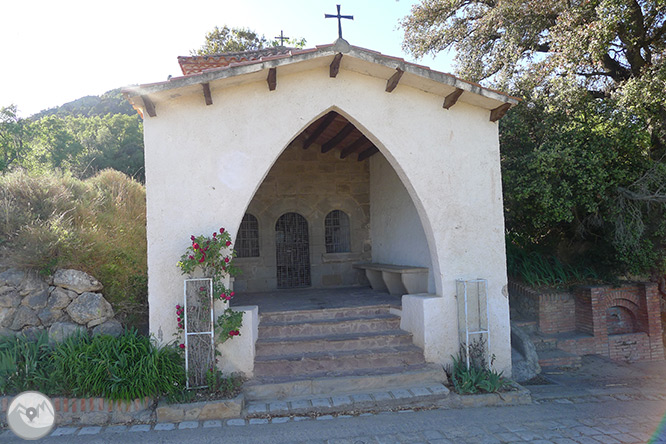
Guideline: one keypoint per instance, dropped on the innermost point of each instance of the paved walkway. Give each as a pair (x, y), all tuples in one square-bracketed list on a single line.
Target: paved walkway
[(602, 402)]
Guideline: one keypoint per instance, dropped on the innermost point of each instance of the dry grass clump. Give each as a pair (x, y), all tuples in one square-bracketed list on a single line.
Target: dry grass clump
[(97, 225)]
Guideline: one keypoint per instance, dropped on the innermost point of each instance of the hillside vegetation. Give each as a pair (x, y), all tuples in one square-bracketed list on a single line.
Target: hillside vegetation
[(97, 225)]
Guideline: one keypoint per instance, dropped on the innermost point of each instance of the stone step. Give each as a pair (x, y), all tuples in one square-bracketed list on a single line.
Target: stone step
[(323, 327), (558, 359), (328, 313), (342, 382), (544, 343), (324, 363), (530, 327), (366, 401), (354, 341)]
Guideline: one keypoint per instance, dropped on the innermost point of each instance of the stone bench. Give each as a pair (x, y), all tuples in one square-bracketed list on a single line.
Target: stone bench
[(396, 279)]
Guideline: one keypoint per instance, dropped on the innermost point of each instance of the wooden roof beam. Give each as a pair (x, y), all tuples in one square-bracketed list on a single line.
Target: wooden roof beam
[(272, 79), (393, 81), (320, 129), (367, 153), (206, 92), (150, 106), (335, 65), (499, 112), (335, 140), (452, 98), (358, 143)]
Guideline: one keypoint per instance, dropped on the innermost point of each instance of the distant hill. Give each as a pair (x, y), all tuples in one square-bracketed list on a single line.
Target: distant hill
[(111, 102)]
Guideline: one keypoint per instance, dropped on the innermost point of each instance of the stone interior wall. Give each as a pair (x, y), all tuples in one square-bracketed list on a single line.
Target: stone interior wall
[(311, 184), (63, 304)]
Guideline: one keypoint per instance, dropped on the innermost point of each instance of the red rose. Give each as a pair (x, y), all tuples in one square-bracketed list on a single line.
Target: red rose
[(221, 230), (232, 293), (178, 319), (226, 259), (182, 346), (215, 234), (195, 246), (191, 257), (203, 258), (192, 238), (177, 307), (228, 243)]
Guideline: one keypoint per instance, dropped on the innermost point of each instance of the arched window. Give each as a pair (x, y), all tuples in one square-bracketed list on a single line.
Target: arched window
[(336, 232), (247, 242)]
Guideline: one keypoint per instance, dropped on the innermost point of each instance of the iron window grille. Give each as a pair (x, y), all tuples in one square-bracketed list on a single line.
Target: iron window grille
[(247, 243), (336, 232)]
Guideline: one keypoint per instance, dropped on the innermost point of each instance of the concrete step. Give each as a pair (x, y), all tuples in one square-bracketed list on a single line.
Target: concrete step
[(328, 313), (324, 363), (342, 382), (558, 359), (323, 327), (354, 341)]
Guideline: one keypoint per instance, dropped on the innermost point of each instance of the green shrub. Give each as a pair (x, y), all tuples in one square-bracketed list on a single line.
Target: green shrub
[(127, 367), (25, 364), (478, 376), (97, 225)]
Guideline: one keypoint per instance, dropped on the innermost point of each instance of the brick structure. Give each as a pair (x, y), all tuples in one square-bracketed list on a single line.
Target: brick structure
[(622, 323)]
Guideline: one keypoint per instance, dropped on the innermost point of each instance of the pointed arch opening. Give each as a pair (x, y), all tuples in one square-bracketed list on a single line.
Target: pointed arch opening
[(357, 209)]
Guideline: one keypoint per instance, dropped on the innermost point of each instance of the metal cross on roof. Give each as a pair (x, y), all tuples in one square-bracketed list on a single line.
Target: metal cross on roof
[(339, 17), (281, 38)]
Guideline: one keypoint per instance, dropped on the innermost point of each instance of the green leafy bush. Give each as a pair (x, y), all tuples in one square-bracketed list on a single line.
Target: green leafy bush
[(97, 225), (478, 377), (126, 367), (25, 364)]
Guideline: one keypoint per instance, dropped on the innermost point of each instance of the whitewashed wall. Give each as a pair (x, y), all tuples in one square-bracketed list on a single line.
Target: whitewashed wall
[(204, 164)]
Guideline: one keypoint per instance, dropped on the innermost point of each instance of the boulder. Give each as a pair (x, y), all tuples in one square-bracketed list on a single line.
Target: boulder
[(50, 315), (90, 309), (33, 333), (110, 327), (12, 277), (6, 332), (525, 361), (36, 300), (24, 317), (76, 280), (60, 298), (6, 316), (59, 331), (33, 284), (10, 299)]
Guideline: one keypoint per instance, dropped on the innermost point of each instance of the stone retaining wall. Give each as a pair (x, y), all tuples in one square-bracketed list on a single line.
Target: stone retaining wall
[(70, 301)]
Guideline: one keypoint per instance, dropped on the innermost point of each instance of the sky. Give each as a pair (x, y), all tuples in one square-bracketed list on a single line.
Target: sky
[(54, 52)]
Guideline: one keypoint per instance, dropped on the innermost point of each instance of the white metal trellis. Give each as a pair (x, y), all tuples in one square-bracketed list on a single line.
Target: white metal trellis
[(472, 298), (193, 324)]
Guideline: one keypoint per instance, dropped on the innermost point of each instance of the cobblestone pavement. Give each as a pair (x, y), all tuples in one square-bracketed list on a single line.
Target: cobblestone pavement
[(593, 421), (602, 402)]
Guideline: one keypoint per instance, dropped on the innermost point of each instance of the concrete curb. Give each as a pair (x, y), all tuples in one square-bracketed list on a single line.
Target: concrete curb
[(200, 411)]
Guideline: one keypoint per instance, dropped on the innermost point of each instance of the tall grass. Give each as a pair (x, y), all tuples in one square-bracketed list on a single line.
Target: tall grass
[(120, 368), (97, 225), (541, 270)]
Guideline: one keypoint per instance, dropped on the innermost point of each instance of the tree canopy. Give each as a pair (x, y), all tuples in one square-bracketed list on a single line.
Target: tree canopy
[(225, 39), (583, 156)]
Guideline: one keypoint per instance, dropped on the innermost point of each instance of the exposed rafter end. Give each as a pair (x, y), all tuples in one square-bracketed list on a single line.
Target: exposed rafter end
[(335, 65), (150, 106), (393, 81), (367, 153), (272, 79), (452, 98), (319, 130), (499, 112), (206, 92)]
